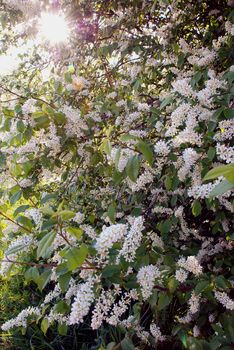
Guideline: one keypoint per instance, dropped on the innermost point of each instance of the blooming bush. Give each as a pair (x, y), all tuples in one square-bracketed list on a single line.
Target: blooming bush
[(117, 170)]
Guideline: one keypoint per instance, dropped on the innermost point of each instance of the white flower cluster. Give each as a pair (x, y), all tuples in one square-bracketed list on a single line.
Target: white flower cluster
[(89, 231), (146, 278), (156, 240), (225, 153), (229, 27), (72, 289), (21, 319), (121, 307), (161, 147), (189, 157), (28, 106), (83, 300), (178, 116), (190, 264), (24, 183), (181, 275), (226, 130), (52, 295), (156, 333), (162, 210), (183, 87), (194, 306), (203, 57), (79, 218), (202, 191), (109, 236), (140, 184), (224, 299), (121, 159), (196, 331), (35, 214), (75, 124), (132, 240), (102, 307)]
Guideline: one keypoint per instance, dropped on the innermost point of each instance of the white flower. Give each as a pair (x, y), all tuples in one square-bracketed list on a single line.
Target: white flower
[(132, 240), (82, 302), (225, 153), (224, 299), (190, 264), (143, 180), (78, 218), (161, 147), (196, 331), (181, 275), (146, 278), (156, 332), (109, 236), (21, 319)]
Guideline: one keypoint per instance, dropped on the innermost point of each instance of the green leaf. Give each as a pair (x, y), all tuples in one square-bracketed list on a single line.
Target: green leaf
[(202, 285), (146, 150), (229, 113), (106, 147), (222, 283), (65, 214), (163, 300), (75, 231), (127, 344), (168, 183), (26, 222), (62, 328), (211, 153), (63, 281), (221, 188), (196, 208), (172, 284), (111, 270), (15, 197), (128, 137), (133, 167), (32, 274), (20, 126), (44, 325), (15, 249), (111, 212), (43, 279), (166, 101), (164, 226), (225, 170), (76, 256), (48, 197), (61, 307), (20, 209), (44, 246)]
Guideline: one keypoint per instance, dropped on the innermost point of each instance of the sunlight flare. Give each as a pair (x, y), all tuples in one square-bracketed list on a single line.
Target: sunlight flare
[(53, 27)]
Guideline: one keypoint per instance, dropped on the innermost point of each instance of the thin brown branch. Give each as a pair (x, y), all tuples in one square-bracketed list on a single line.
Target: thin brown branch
[(15, 222), (28, 263), (25, 98)]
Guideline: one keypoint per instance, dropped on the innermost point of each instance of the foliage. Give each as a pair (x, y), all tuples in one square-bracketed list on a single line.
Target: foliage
[(110, 207)]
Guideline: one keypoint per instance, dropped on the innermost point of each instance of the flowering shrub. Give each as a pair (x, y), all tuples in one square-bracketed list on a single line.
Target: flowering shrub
[(108, 200)]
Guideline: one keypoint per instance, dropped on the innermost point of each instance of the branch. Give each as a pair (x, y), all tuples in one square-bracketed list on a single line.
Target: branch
[(15, 222), (25, 98), (50, 265)]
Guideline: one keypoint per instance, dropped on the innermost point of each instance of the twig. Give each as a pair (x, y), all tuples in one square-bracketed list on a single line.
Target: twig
[(15, 222), (25, 98), (43, 265)]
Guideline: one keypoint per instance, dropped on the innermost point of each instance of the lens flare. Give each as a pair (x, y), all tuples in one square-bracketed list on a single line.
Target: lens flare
[(53, 28)]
